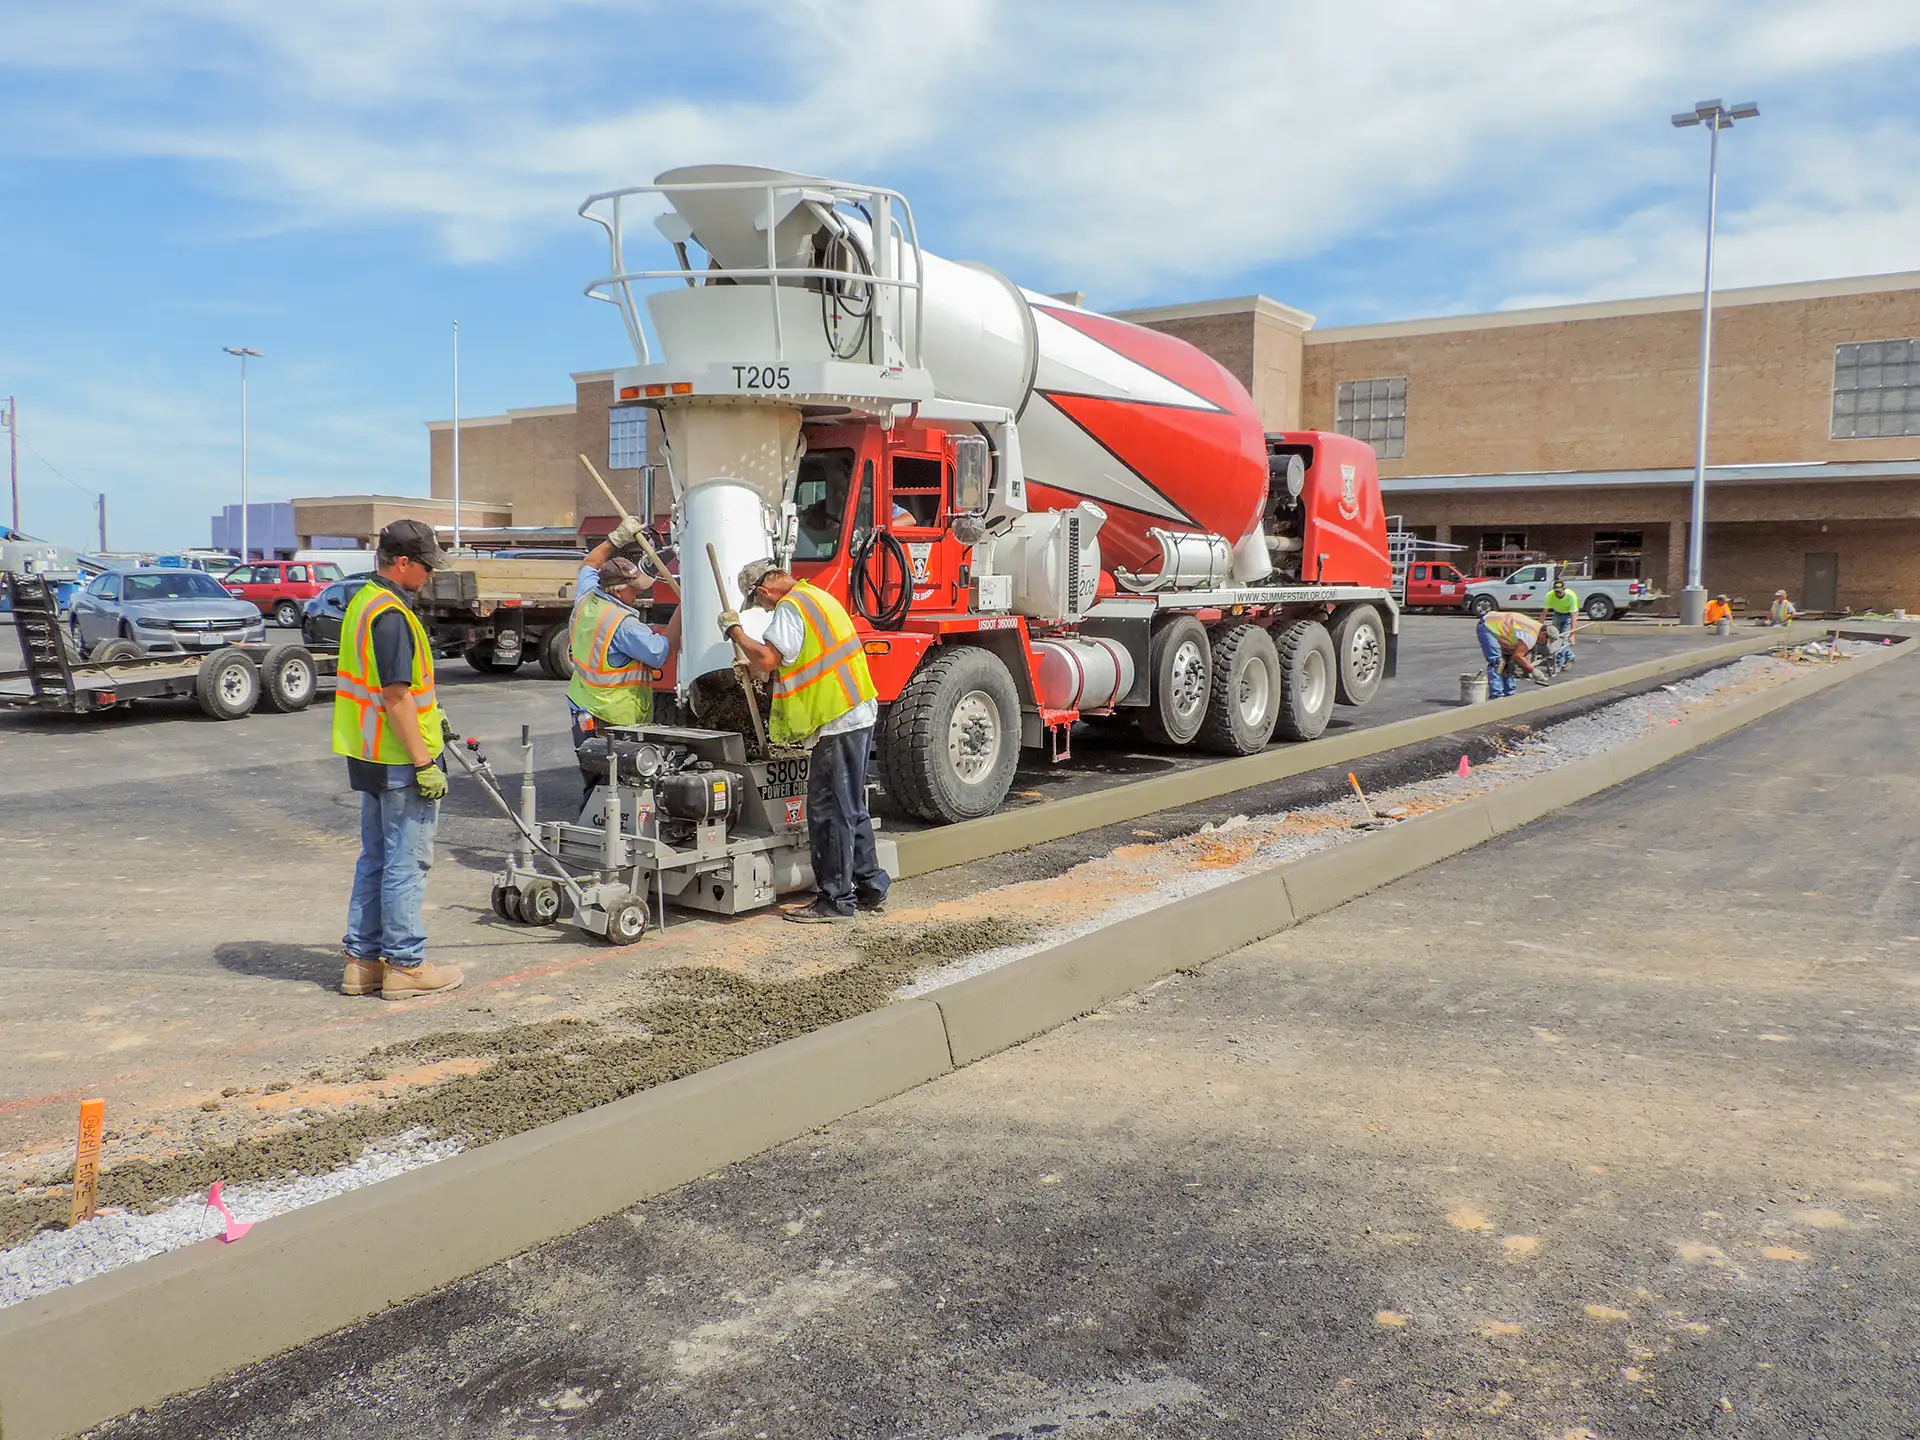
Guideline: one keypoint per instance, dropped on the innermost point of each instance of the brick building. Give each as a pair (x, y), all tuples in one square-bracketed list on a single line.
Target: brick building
[(1568, 430)]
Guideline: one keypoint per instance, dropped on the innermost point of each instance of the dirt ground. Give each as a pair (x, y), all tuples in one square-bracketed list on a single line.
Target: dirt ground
[(168, 939), (1607, 1129)]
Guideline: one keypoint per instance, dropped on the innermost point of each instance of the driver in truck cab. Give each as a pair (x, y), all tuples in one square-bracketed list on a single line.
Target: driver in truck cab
[(823, 698), (1507, 639), (614, 652)]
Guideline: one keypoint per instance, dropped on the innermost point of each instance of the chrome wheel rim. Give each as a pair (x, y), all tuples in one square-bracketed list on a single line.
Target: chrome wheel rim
[(1254, 694), (1363, 654), (973, 736), (1187, 683), (1313, 682)]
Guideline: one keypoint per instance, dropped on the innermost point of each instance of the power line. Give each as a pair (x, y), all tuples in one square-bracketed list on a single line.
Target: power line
[(56, 469)]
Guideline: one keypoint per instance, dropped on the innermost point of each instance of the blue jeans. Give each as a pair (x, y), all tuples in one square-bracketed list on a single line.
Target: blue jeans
[(1498, 685), (846, 869), (390, 880)]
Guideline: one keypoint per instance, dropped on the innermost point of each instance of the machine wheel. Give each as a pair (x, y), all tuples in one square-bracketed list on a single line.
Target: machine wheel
[(556, 653), (1244, 696), (1181, 660), (501, 894), (287, 679), (1481, 605), (112, 652), (228, 685), (540, 903), (1307, 669), (951, 742), (1598, 607), (1360, 644), (626, 922), (286, 614)]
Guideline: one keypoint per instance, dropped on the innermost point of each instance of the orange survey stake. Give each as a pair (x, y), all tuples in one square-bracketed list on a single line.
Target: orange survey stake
[(86, 1158)]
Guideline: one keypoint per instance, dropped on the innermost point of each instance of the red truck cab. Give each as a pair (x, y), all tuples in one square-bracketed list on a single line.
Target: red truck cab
[(1436, 585), (280, 589)]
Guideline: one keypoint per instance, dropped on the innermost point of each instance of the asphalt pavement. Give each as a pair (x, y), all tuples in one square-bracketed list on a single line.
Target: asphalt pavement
[(1609, 1128)]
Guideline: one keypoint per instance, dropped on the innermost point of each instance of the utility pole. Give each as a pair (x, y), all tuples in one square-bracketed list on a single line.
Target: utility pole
[(1716, 117), (456, 435), (13, 455), (243, 352), (101, 501)]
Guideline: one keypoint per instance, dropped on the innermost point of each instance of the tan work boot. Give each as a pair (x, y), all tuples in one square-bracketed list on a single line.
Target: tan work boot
[(405, 982), (363, 977)]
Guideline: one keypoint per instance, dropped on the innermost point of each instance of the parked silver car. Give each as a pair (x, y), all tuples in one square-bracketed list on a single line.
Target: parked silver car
[(164, 612)]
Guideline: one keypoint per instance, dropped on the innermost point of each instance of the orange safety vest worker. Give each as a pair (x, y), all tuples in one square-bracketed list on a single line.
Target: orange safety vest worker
[(830, 675), (359, 721)]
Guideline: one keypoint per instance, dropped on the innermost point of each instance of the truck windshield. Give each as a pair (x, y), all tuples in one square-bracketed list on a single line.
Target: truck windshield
[(181, 585), (820, 495)]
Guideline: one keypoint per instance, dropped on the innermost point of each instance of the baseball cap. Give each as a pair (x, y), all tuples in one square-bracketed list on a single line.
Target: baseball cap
[(620, 571), (414, 539), (752, 573)]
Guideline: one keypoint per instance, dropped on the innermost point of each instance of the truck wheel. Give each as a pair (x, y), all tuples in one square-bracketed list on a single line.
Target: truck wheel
[(951, 742), (1481, 605), (228, 685), (480, 657), (1181, 660), (112, 652), (1307, 669), (1598, 607), (286, 678), (1244, 695), (556, 653), (1360, 645), (286, 614)]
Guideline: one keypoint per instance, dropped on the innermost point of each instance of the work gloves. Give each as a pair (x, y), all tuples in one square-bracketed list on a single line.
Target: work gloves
[(624, 532), (728, 619), (1540, 677), (431, 781)]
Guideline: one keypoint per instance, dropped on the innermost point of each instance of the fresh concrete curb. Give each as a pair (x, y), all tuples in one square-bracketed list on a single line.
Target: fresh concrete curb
[(135, 1336), (928, 850)]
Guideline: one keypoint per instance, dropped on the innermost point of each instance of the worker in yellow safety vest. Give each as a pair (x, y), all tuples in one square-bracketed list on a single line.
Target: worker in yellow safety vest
[(614, 653), (1507, 640), (1562, 604), (386, 722), (823, 697)]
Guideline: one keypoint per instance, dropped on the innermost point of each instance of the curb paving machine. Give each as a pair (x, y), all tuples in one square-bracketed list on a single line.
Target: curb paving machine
[(1035, 514)]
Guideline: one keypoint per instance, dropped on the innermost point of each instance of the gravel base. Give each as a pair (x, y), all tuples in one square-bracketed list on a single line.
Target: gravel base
[(55, 1258), (1563, 744)]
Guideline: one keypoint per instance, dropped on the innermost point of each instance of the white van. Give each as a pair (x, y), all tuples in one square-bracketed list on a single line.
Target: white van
[(351, 562)]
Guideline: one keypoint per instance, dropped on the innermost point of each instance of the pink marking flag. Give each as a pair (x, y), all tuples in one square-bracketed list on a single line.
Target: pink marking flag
[(235, 1228), (1465, 768)]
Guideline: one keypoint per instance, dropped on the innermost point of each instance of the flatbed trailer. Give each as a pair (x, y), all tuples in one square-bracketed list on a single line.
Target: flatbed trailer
[(226, 683)]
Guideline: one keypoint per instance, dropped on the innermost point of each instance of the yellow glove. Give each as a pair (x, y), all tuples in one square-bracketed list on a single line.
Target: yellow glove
[(728, 619), (431, 780), (624, 532)]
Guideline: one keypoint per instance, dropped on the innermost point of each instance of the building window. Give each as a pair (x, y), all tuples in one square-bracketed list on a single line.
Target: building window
[(1374, 411), (627, 437), (1618, 554), (1876, 389)]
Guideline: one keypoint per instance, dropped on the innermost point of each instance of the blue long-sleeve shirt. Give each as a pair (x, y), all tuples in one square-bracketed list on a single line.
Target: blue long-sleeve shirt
[(633, 643)]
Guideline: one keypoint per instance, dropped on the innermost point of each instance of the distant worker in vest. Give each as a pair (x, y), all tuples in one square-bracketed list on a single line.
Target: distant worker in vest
[(1507, 639), (823, 697), (386, 721), (1718, 609), (1562, 605), (614, 652), (1783, 609)]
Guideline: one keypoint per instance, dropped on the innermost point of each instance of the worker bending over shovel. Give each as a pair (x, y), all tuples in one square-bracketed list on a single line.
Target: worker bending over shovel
[(614, 653), (1507, 639), (823, 697)]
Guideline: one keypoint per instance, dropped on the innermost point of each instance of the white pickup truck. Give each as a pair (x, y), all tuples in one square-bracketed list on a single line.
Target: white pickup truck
[(1527, 587)]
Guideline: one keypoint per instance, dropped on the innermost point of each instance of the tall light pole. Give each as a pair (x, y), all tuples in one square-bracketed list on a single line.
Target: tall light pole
[(12, 422), (456, 435), (243, 352), (1716, 117)]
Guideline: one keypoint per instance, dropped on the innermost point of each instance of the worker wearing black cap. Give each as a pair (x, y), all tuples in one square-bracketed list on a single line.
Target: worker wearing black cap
[(614, 654), (386, 721)]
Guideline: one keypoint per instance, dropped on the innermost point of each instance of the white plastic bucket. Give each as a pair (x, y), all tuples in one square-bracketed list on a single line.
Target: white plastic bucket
[(1473, 687)]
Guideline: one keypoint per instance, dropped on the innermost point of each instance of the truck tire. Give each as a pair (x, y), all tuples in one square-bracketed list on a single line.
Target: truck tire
[(1180, 660), (1481, 605), (228, 685), (1307, 670), (287, 679), (1360, 645), (480, 656), (1598, 607), (556, 653), (112, 652), (1243, 696), (950, 744)]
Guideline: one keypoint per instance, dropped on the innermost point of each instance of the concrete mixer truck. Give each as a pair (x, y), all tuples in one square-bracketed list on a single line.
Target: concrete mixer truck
[(1035, 513)]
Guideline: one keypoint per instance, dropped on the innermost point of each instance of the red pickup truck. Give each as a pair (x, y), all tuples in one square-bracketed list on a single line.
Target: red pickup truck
[(280, 588), (1436, 585)]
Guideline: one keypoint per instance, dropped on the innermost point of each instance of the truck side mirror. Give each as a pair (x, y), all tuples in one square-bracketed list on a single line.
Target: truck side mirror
[(972, 465)]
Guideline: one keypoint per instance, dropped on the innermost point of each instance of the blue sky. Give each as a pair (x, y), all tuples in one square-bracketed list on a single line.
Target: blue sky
[(334, 182)]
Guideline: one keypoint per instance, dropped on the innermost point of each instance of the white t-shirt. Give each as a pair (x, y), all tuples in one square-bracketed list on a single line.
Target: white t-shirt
[(787, 633)]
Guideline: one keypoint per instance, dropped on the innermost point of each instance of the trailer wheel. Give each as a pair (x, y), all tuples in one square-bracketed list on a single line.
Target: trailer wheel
[(1181, 661), (556, 653), (951, 742), (112, 652), (1307, 668), (1243, 698), (287, 679), (1481, 605), (1360, 644), (626, 922), (1598, 607), (228, 685)]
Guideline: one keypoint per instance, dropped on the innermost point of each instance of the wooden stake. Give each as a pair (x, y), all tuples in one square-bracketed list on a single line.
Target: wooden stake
[(659, 565), (86, 1158), (739, 654)]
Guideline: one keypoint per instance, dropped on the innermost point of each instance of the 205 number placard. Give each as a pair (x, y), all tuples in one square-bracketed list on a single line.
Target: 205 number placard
[(762, 377)]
